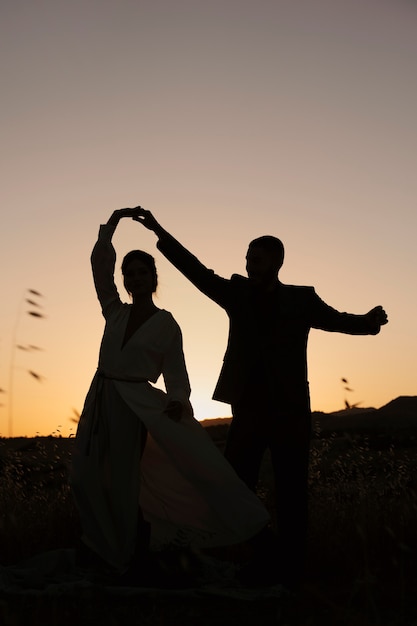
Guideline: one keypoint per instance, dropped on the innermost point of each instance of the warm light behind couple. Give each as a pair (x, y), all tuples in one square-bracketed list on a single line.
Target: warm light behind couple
[(145, 472)]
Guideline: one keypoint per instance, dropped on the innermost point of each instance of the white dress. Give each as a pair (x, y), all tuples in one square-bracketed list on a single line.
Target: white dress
[(185, 488)]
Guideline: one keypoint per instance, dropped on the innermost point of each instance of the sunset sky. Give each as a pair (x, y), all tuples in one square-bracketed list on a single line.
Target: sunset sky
[(228, 119)]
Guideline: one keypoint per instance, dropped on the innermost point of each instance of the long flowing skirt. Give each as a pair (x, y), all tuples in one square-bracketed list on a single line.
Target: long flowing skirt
[(131, 459)]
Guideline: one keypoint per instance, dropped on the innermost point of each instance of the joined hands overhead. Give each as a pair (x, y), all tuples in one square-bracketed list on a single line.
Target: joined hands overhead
[(120, 213), (138, 214)]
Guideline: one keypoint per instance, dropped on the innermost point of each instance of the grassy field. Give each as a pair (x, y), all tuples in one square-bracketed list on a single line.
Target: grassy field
[(361, 567)]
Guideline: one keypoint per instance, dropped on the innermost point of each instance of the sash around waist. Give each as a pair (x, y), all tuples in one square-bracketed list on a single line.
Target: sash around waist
[(121, 377)]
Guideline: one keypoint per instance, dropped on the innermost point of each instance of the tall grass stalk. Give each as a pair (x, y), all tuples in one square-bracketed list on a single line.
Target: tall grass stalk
[(32, 301)]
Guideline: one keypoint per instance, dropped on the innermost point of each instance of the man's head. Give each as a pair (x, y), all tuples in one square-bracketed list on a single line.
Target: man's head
[(264, 259)]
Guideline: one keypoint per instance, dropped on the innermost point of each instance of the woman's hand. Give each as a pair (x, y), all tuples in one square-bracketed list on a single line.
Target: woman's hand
[(117, 215), (174, 410)]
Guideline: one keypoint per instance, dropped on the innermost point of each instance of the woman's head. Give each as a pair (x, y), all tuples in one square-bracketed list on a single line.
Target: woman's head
[(139, 272)]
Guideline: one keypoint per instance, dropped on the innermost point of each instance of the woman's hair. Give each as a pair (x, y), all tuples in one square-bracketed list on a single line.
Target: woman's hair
[(147, 259)]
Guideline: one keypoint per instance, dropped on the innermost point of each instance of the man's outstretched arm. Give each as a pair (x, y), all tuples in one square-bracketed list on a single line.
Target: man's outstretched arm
[(327, 318)]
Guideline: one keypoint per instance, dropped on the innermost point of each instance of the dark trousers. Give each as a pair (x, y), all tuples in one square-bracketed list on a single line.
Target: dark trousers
[(257, 425)]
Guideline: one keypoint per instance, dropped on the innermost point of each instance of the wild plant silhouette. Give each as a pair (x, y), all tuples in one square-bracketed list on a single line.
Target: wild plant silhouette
[(76, 417), (348, 405), (34, 311)]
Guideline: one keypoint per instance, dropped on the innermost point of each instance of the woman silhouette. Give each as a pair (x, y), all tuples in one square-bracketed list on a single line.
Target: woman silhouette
[(144, 470)]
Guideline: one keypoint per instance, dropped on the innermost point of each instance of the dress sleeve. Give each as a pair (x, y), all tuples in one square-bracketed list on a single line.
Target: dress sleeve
[(103, 260), (325, 317), (174, 371)]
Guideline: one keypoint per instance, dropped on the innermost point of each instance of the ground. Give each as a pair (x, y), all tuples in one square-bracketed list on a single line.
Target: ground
[(361, 567)]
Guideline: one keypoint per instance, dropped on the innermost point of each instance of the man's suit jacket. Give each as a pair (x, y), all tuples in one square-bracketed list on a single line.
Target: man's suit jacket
[(267, 332)]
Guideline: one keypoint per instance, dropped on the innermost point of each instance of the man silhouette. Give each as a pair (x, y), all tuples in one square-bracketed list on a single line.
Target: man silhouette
[(264, 379)]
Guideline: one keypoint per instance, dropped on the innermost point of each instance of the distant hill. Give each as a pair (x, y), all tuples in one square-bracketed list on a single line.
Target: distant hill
[(216, 421), (403, 405), (398, 415)]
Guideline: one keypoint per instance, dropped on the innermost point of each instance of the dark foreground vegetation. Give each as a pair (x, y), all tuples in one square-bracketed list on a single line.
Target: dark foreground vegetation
[(362, 561)]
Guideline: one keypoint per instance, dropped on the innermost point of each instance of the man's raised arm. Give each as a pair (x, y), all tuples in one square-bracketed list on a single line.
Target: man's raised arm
[(213, 286)]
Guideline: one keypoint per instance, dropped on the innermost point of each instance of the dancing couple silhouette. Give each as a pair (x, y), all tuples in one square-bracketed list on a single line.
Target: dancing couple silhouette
[(146, 477)]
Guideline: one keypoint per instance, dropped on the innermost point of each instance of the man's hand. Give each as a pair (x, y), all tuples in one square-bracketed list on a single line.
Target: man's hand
[(376, 318), (147, 219)]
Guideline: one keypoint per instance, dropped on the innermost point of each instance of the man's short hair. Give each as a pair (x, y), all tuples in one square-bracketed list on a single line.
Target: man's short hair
[(272, 244)]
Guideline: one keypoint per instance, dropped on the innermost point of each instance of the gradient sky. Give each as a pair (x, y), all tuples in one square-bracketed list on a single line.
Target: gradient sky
[(229, 120)]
